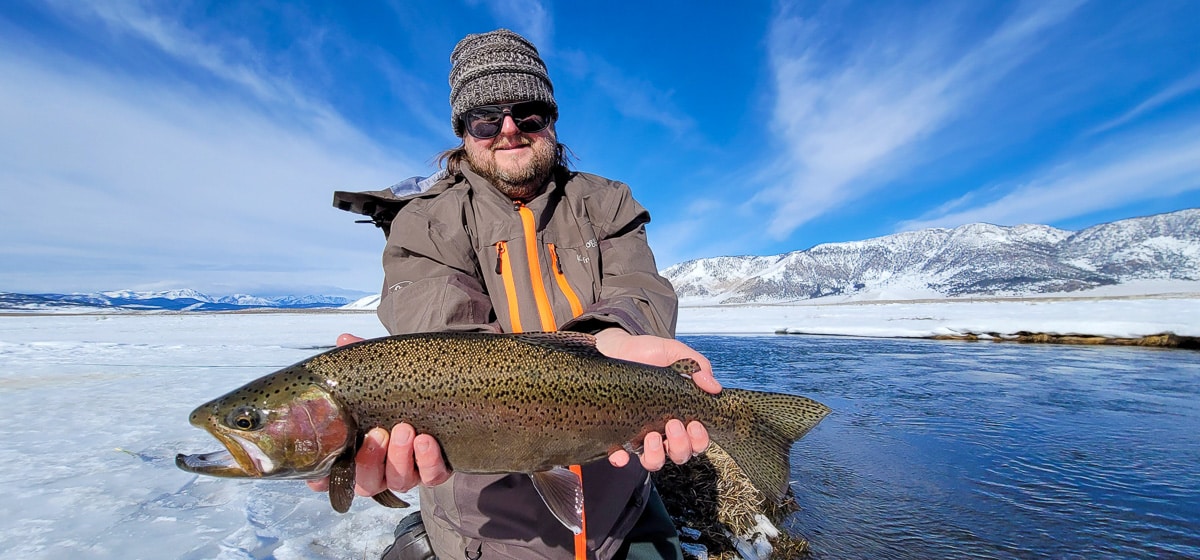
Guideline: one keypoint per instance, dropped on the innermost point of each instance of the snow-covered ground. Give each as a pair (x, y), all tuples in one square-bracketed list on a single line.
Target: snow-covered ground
[(93, 409), (1115, 317)]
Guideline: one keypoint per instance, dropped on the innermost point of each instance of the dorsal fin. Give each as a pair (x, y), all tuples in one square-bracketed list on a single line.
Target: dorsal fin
[(581, 344)]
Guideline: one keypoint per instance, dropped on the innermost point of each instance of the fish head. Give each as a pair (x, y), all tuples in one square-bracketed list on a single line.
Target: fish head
[(285, 425)]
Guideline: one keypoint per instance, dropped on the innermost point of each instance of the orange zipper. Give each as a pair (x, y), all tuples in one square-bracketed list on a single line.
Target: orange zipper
[(504, 268), (545, 312)]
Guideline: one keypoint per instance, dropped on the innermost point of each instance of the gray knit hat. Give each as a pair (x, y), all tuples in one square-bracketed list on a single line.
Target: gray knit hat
[(496, 67)]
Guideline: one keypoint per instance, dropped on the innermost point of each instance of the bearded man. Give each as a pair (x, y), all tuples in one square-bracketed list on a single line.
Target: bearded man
[(506, 238)]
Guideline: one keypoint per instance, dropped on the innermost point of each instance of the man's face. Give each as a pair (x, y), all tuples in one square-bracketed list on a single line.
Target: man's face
[(518, 163)]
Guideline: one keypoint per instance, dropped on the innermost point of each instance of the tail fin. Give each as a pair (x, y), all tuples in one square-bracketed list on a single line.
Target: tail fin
[(760, 446)]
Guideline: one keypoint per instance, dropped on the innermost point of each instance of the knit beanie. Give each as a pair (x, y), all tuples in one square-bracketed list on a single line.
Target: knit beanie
[(496, 67)]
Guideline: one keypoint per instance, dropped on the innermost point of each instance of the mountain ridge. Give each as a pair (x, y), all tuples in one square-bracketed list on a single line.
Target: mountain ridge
[(163, 300), (970, 260)]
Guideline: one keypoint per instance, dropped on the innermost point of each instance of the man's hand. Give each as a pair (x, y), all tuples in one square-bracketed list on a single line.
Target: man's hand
[(392, 461), (682, 442)]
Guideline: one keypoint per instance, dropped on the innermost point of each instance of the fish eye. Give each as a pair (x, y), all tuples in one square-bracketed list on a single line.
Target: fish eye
[(246, 419)]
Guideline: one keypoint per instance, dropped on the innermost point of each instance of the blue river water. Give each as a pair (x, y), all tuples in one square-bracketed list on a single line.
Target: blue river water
[(981, 450)]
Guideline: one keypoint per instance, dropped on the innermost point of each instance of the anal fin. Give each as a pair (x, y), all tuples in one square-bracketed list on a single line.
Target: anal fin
[(562, 491)]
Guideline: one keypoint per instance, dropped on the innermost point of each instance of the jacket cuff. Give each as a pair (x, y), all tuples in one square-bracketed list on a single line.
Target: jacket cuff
[(596, 321)]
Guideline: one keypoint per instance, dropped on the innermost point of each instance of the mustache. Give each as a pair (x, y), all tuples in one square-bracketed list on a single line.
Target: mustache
[(511, 143)]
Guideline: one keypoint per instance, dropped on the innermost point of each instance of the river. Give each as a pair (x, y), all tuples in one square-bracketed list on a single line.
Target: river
[(983, 450)]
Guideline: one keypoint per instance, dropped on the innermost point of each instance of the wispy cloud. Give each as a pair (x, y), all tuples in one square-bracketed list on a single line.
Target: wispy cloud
[(111, 179), (630, 96), (1168, 94), (131, 19), (851, 118), (530, 18), (1141, 167)]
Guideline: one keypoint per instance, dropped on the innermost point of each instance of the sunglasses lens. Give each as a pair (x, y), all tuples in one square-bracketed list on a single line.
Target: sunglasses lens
[(487, 121), (484, 122), (533, 116)]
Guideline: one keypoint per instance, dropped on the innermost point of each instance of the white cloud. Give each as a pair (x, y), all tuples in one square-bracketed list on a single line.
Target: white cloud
[(1137, 168), (630, 96), (530, 18), (1174, 91), (222, 61), (111, 182), (851, 121)]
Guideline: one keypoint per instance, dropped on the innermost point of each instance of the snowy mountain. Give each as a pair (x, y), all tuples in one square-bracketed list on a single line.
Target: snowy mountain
[(365, 303), (172, 300), (970, 260)]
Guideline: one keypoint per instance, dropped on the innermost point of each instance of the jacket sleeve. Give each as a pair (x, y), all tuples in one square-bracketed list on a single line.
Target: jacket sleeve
[(430, 280), (633, 295)]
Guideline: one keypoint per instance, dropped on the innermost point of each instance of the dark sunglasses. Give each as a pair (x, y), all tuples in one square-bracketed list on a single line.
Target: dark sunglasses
[(486, 121)]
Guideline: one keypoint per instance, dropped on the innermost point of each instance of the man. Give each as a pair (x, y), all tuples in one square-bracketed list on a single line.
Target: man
[(507, 239)]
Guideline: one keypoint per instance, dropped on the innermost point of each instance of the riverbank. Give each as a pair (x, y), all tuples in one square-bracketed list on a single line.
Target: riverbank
[(1163, 320), (1161, 340)]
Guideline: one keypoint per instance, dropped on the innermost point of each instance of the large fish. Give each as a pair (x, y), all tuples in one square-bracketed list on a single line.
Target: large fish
[(497, 403)]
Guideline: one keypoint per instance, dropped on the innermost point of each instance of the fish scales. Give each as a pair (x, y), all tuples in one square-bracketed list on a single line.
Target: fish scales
[(497, 403), (502, 404)]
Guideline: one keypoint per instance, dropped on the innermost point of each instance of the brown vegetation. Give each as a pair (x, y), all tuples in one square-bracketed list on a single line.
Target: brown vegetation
[(711, 497), (1161, 340)]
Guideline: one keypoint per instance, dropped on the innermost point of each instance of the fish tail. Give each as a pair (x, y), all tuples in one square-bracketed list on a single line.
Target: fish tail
[(760, 446)]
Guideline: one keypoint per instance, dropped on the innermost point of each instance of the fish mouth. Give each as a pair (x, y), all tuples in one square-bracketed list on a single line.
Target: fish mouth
[(239, 459)]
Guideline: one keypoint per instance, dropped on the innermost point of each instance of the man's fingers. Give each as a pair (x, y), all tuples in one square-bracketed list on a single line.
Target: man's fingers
[(401, 470), (679, 445), (653, 454), (319, 485), (698, 435), (347, 338), (428, 455), (368, 463), (618, 458), (705, 381)]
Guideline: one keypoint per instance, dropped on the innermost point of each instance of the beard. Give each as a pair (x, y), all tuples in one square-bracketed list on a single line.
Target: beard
[(527, 181)]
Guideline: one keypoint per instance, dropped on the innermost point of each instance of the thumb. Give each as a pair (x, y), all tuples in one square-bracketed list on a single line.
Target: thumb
[(347, 338)]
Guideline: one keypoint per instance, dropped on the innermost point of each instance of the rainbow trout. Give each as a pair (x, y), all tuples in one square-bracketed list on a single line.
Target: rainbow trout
[(497, 403)]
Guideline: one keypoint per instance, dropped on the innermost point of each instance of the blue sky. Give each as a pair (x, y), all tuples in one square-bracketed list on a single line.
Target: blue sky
[(155, 145)]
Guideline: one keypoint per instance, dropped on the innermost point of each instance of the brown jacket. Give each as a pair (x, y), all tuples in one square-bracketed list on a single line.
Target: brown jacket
[(462, 256)]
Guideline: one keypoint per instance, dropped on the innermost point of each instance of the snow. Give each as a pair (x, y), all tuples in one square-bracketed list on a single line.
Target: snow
[(1114, 317), (367, 303), (93, 409)]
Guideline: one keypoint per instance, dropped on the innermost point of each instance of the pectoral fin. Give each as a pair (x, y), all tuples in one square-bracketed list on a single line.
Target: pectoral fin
[(341, 482), (562, 491)]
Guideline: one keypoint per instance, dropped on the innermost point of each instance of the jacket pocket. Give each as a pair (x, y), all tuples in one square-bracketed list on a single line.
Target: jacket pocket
[(574, 272)]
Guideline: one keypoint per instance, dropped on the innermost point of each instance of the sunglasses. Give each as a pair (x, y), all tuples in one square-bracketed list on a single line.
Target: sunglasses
[(486, 121)]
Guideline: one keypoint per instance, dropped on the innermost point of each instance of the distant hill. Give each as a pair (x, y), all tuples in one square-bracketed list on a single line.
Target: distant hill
[(173, 300), (970, 260)]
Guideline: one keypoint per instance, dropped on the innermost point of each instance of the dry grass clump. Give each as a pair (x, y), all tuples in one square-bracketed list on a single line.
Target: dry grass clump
[(710, 495), (1161, 340)]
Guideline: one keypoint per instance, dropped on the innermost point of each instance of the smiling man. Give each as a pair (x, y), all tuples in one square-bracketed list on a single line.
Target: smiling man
[(508, 239)]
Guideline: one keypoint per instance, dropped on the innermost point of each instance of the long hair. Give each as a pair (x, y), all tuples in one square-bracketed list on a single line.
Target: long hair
[(454, 158)]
